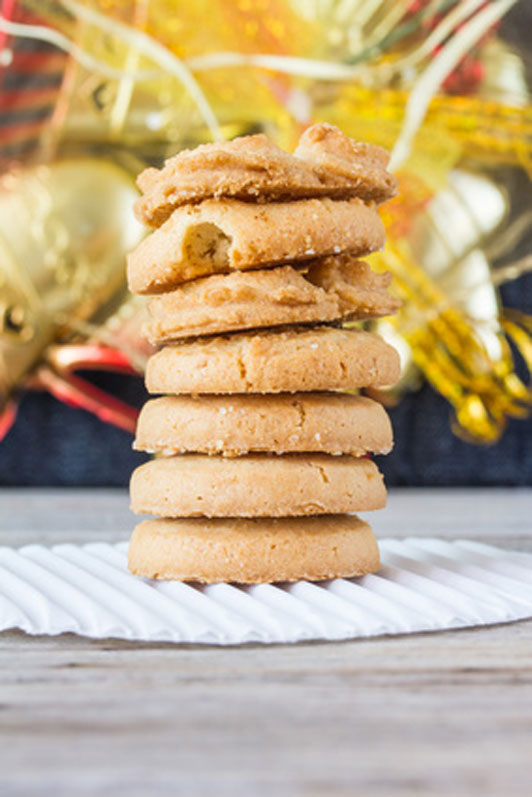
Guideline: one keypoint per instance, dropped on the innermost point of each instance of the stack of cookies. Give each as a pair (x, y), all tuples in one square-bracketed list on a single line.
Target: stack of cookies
[(261, 456)]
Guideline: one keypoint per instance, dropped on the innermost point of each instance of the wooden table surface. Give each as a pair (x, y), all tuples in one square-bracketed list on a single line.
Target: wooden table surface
[(439, 713)]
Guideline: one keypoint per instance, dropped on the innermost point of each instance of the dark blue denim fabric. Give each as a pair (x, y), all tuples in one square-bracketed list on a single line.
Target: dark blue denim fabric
[(52, 444)]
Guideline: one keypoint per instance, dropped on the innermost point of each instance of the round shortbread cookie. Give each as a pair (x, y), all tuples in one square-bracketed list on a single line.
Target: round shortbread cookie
[(329, 423), (332, 289), (256, 485), (255, 551), (325, 163), (219, 236), (320, 358)]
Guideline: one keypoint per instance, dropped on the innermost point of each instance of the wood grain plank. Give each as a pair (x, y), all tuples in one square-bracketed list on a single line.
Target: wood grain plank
[(441, 713), (55, 516)]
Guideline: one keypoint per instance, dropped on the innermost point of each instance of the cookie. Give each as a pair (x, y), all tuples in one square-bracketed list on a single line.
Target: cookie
[(284, 423), (254, 551), (219, 236), (257, 485), (325, 163), (316, 359), (332, 289)]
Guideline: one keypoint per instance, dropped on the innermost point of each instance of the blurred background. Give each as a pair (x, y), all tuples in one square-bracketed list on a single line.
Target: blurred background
[(92, 92)]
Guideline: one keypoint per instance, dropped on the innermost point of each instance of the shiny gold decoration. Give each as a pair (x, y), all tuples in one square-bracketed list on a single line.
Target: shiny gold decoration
[(450, 316), (489, 132), (431, 81), (61, 255)]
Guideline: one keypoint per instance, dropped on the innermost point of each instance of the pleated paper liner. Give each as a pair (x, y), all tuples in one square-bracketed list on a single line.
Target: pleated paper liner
[(424, 584)]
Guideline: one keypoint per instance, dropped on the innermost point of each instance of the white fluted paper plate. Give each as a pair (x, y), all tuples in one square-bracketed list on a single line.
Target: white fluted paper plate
[(424, 585)]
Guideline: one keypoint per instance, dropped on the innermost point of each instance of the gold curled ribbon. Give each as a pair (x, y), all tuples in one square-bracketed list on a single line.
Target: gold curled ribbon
[(483, 390)]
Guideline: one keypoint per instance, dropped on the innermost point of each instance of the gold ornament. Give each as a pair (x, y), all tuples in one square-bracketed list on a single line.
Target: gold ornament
[(65, 229)]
